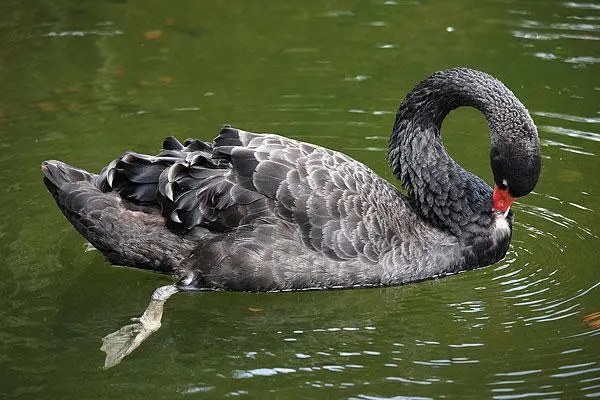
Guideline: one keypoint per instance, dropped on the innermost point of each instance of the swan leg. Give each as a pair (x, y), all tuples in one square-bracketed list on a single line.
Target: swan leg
[(121, 343)]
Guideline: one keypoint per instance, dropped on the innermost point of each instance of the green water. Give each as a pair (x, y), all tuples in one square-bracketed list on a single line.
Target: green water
[(81, 81)]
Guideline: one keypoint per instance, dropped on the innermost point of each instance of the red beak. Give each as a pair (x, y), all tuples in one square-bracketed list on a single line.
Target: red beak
[(501, 199)]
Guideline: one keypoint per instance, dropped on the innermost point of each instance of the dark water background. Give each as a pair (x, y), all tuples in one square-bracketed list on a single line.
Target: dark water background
[(81, 81)]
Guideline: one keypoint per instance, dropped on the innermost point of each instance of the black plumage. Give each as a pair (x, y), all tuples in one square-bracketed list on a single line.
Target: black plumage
[(263, 212)]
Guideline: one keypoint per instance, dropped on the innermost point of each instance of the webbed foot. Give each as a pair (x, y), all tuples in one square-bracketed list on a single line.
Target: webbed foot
[(121, 343)]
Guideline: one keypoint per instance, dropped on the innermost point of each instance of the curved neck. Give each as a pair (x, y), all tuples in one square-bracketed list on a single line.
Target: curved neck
[(439, 189)]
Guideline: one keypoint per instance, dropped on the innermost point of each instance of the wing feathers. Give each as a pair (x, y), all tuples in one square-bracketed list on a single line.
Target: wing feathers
[(244, 178)]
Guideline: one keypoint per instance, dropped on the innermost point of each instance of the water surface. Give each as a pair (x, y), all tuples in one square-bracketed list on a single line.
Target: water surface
[(83, 81)]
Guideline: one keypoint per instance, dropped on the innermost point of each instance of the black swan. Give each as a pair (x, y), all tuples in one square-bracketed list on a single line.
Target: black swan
[(261, 212)]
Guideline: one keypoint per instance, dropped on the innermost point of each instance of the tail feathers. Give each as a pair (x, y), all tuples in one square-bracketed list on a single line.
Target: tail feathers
[(57, 174), (127, 235), (76, 195)]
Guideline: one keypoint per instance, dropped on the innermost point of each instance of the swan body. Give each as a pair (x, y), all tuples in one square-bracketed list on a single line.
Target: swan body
[(263, 212)]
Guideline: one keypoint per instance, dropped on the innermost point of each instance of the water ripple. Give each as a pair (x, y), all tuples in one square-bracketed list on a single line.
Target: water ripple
[(574, 373), (583, 60), (555, 218), (242, 374), (582, 6), (85, 33), (579, 60), (551, 36), (565, 26), (526, 395), (408, 380), (338, 14), (519, 373), (566, 147), (546, 56), (581, 292), (399, 397)]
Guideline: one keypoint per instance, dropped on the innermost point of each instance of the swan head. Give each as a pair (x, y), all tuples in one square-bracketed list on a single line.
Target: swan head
[(515, 161)]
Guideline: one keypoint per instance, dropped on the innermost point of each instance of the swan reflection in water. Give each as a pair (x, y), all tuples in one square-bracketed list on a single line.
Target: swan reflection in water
[(262, 212)]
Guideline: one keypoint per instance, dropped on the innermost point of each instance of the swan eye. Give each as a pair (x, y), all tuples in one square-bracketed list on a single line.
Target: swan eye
[(503, 185)]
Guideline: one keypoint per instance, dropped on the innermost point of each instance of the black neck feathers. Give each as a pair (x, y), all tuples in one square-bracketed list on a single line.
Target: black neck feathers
[(439, 189)]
